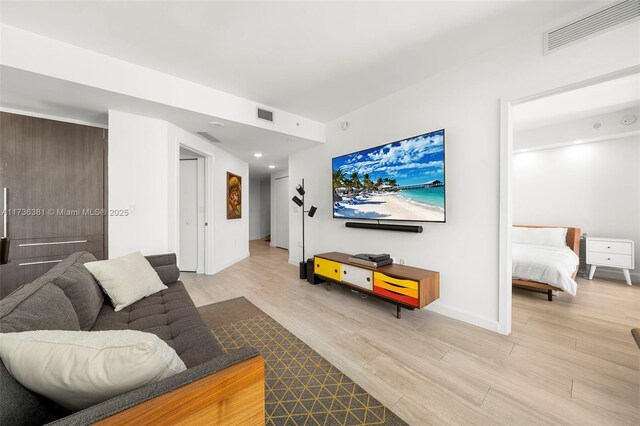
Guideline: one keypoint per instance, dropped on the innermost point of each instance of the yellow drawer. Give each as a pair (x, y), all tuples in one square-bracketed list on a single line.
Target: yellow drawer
[(327, 268), (379, 276), (396, 289)]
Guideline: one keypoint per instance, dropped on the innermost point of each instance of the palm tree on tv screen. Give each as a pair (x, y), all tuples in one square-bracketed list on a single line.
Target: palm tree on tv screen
[(338, 181), (355, 180)]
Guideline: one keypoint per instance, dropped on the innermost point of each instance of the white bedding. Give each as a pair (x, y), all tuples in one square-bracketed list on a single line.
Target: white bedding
[(546, 264)]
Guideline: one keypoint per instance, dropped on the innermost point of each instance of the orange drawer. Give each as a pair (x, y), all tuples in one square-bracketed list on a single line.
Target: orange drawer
[(396, 289), (399, 282), (407, 300)]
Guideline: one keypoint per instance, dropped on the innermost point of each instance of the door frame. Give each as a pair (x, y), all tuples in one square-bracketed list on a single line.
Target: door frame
[(506, 179), (209, 159)]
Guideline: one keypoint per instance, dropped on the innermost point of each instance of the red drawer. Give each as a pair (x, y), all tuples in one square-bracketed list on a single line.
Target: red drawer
[(407, 300)]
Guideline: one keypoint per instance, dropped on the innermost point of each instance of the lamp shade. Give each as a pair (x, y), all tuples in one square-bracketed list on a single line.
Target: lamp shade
[(300, 189), (297, 200), (312, 211)]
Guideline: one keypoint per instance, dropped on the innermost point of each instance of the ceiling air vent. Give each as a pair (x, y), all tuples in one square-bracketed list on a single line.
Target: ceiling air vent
[(208, 137), (601, 20), (266, 115)]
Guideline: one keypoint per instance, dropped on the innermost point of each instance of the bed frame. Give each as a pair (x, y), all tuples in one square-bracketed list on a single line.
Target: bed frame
[(573, 241)]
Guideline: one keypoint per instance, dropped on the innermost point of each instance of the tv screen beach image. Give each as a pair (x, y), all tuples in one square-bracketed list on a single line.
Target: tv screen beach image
[(401, 180)]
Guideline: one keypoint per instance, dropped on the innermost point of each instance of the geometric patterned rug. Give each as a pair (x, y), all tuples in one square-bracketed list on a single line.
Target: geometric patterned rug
[(301, 387)]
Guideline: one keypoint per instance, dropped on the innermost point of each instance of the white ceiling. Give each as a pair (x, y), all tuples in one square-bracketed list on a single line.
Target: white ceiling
[(597, 99), (48, 96), (315, 59)]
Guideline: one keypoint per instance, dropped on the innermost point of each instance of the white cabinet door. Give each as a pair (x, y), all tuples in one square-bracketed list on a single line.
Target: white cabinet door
[(357, 276)]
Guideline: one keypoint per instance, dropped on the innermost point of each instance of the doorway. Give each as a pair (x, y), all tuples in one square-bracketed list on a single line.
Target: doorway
[(574, 149), (191, 211), (281, 231)]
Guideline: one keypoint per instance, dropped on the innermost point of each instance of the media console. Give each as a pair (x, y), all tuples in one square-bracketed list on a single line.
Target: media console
[(404, 286)]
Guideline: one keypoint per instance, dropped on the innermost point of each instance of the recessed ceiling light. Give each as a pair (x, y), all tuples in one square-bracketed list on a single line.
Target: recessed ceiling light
[(257, 154), (216, 124), (271, 166)]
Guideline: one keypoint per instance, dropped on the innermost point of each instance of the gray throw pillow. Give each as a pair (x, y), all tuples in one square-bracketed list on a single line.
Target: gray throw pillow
[(79, 286), (37, 306)]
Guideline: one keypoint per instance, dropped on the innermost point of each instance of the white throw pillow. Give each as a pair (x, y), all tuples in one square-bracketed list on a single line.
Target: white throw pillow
[(78, 369), (554, 237), (126, 279)]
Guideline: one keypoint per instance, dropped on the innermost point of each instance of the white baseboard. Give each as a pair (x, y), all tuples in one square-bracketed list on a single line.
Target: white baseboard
[(616, 274), (294, 262), (219, 268), (465, 316)]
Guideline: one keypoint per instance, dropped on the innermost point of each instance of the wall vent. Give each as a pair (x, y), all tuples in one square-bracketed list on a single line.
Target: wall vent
[(208, 137), (599, 21), (266, 115)]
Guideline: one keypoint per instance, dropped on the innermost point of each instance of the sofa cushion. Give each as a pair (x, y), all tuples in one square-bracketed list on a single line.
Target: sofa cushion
[(170, 315), (126, 279), (20, 406), (79, 286), (37, 306), (78, 369), (165, 266)]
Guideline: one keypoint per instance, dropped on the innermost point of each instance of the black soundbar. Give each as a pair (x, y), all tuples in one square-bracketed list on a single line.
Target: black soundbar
[(385, 227)]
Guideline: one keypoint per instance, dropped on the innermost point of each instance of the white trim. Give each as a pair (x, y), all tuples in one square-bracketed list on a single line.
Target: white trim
[(506, 158), (230, 263), (465, 316), (506, 219), (54, 117)]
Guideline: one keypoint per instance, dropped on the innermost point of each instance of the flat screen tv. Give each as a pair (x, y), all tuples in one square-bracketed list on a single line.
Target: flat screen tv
[(401, 180)]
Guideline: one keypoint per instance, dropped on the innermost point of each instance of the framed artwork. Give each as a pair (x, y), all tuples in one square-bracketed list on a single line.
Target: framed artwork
[(234, 196)]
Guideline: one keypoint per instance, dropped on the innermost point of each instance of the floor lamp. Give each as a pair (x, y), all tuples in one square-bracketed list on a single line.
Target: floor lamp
[(311, 212)]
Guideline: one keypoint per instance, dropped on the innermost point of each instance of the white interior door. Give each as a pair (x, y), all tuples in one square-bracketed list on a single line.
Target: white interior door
[(188, 258), (281, 235)]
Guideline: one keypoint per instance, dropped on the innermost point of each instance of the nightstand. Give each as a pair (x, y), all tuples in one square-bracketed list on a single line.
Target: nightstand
[(610, 252)]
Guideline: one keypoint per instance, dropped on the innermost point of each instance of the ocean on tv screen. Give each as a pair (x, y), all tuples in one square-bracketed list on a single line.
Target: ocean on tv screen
[(401, 180)]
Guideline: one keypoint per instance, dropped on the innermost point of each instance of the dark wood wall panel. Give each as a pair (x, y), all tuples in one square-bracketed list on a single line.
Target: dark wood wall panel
[(60, 169)]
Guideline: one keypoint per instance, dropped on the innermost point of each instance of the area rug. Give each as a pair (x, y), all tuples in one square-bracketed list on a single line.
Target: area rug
[(301, 387)]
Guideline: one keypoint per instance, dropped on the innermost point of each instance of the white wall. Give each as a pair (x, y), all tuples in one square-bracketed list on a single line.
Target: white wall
[(143, 175), (595, 186), (138, 177), (464, 100)]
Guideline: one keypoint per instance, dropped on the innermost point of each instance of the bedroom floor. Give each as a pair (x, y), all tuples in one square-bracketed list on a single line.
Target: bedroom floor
[(569, 361)]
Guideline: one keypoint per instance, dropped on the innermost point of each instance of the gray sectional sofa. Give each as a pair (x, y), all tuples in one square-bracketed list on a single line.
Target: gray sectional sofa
[(68, 298)]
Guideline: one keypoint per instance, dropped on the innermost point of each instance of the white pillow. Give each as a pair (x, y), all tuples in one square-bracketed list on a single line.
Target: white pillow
[(126, 279), (554, 237), (78, 369)]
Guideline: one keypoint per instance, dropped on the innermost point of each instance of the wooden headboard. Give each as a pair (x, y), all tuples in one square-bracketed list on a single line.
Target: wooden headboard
[(573, 235)]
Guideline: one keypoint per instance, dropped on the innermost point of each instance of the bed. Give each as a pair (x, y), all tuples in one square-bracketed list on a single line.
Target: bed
[(547, 268)]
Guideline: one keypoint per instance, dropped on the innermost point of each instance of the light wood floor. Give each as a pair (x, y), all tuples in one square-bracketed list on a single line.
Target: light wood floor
[(572, 361)]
